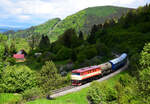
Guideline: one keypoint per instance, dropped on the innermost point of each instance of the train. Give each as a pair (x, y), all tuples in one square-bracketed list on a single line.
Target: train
[(87, 74)]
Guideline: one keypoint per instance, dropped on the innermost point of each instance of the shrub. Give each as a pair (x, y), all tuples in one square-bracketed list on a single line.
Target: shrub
[(17, 79), (101, 94), (11, 60), (95, 94), (32, 94)]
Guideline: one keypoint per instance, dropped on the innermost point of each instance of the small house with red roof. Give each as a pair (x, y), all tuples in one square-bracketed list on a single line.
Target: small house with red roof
[(20, 56)]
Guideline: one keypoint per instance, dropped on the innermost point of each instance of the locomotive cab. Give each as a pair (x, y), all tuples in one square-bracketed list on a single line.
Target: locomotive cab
[(75, 76)]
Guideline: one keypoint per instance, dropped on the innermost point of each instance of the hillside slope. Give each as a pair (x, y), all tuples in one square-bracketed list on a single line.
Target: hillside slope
[(37, 30), (82, 20)]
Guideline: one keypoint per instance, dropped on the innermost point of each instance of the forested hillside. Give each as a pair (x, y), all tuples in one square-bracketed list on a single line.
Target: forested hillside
[(83, 20), (80, 21), (130, 35), (40, 74)]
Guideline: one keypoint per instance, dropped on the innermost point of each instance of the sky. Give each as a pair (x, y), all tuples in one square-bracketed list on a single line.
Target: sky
[(26, 13)]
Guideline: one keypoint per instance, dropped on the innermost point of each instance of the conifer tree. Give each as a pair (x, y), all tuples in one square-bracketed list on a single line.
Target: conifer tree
[(12, 49), (81, 35), (49, 77), (91, 39), (44, 43)]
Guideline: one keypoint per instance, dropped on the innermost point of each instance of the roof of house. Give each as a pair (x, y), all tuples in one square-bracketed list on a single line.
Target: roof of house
[(85, 69), (18, 56)]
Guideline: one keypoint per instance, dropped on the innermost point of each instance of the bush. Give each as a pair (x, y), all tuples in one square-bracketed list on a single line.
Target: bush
[(32, 94), (101, 94), (95, 94), (11, 60), (17, 79)]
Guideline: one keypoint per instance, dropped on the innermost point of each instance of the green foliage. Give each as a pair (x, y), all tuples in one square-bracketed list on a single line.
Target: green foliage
[(3, 38), (145, 56), (70, 39), (144, 75), (102, 49), (100, 93), (73, 55), (81, 35), (55, 47), (44, 43), (12, 49), (33, 41), (81, 57), (46, 56), (135, 90), (144, 84), (37, 30), (86, 52), (92, 38), (32, 94), (2, 50), (11, 60), (131, 38), (49, 77), (64, 53), (17, 79)]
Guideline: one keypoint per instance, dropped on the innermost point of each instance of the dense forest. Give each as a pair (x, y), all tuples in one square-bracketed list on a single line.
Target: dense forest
[(39, 75), (130, 34)]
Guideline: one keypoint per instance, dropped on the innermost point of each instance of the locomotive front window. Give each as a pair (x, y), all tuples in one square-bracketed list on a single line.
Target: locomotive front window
[(75, 73)]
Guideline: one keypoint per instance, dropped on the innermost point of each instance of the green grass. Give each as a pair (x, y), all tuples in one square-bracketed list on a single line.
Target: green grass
[(8, 98), (102, 11), (72, 98), (77, 97), (112, 81)]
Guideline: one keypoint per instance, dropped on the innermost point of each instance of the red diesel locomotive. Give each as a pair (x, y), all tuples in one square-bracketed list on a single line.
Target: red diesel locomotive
[(83, 75)]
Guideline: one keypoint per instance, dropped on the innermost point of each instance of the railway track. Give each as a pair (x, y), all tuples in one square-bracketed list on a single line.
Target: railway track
[(62, 89), (70, 89)]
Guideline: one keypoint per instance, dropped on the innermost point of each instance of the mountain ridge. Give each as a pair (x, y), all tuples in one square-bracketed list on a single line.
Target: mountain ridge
[(82, 21)]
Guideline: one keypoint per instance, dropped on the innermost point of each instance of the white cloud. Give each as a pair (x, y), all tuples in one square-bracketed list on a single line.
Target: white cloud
[(24, 17), (62, 7)]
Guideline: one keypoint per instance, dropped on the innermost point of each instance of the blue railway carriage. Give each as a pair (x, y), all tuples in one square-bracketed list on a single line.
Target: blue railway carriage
[(119, 62)]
